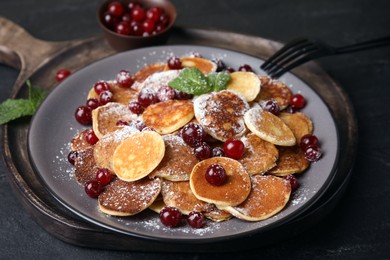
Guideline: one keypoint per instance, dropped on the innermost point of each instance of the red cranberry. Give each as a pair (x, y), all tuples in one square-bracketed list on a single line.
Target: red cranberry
[(272, 107), (132, 4), (217, 152), (110, 20), (124, 79), (164, 19), (293, 181), (159, 28), (179, 95), (93, 188), (138, 13), (195, 219), (193, 134), (308, 140), (72, 156), (105, 97), (166, 93), (202, 151), (121, 123), (221, 66), (234, 148), (83, 115), (174, 63), (230, 69), (101, 86), (123, 28), (104, 176), (297, 101), (154, 13), (136, 29), (170, 216), (116, 8), (146, 97), (91, 137), (148, 25), (215, 175), (92, 103), (291, 110), (245, 67), (126, 17), (135, 107), (313, 153), (62, 74), (138, 124)]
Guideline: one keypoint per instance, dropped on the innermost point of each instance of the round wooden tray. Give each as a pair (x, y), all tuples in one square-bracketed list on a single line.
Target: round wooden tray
[(39, 60)]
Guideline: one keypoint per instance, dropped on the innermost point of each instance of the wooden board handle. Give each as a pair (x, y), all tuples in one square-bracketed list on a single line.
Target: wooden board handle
[(22, 51)]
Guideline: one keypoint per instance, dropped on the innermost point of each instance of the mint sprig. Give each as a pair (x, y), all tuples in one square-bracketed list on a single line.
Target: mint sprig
[(193, 81), (12, 109)]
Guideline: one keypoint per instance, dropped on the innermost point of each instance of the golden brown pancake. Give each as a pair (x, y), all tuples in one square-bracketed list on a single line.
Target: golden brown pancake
[(79, 142), (105, 147), (269, 127), (246, 83), (121, 198), (268, 196), (168, 116), (276, 90), (259, 156), (222, 114), (178, 194), (178, 161), (217, 215), (104, 118), (291, 160), (204, 65), (148, 70), (157, 80), (233, 192), (138, 155), (299, 124), (85, 166)]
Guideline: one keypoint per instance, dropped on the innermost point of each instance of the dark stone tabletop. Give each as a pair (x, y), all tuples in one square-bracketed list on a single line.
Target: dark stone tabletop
[(359, 226)]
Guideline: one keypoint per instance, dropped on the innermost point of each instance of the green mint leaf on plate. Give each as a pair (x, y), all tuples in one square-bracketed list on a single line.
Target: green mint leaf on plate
[(191, 81), (12, 109), (219, 80)]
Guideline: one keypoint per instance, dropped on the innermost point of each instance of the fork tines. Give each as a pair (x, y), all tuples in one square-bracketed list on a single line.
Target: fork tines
[(291, 55)]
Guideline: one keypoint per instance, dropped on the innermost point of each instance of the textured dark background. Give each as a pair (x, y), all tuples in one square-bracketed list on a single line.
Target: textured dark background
[(359, 227)]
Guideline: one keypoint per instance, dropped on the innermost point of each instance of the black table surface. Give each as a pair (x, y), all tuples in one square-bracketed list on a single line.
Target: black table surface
[(359, 226)]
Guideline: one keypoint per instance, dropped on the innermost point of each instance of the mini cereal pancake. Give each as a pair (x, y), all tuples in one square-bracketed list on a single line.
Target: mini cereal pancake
[(291, 160), (233, 192), (178, 161), (138, 155), (178, 194), (168, 116), (217, 215), (120, 94), (104, 118), (157, 80), (205, 66), (246, 83), (92, 94), (222, 114), (269, 127), (79, 141), (105, 147), (259, 156), (299, 124), (148, 70), (268, 196), (121, 198), (85, 166), (276, 90), (157, 205)]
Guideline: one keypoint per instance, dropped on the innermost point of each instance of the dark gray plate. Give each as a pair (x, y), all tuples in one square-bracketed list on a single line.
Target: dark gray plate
[(53, 126)]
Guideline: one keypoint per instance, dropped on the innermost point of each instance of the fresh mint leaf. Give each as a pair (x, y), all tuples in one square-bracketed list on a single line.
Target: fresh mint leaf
[(191, 81), (219, 80), (15, 108)]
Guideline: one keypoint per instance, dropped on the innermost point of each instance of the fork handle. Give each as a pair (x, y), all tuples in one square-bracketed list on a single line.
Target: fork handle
[(364, 45)]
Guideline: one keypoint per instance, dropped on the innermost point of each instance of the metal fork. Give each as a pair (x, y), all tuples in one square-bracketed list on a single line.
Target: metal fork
[(303, 50)]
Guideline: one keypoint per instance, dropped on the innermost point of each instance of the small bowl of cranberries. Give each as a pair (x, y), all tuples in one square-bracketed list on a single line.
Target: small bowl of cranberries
[(130, 24)]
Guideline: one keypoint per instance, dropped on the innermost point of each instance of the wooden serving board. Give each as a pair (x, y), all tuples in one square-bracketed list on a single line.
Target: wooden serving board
[(39, 60)]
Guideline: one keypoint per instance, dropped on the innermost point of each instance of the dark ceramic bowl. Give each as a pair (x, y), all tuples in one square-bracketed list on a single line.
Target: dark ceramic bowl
[(127, 42)]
